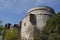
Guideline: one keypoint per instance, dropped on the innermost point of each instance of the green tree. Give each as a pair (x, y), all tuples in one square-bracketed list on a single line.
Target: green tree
[(10, 33), (1, 27), (51, 30)]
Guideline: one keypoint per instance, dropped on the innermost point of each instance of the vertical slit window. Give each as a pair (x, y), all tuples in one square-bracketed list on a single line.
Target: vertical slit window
[(24, 24)]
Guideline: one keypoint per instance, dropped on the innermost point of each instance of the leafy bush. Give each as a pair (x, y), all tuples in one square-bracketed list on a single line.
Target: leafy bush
[(51, 30)]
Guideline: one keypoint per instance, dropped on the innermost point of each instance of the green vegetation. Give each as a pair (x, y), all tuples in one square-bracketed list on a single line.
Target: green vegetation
[(1, 28), (10, 34), (51, 30)]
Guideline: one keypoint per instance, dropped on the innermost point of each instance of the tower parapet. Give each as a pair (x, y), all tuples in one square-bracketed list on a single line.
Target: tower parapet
[(42, 8)]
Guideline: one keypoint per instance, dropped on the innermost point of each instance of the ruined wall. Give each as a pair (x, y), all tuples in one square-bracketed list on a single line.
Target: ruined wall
[(26, 29), (35, 21), (42, 15)]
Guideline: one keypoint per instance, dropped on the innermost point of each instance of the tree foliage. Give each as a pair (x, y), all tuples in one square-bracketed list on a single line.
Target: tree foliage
[(10, 34), (1, 28), (51, 30)]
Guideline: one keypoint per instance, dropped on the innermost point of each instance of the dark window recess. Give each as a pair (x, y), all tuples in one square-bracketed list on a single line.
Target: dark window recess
[(33, 19), (24, 24)]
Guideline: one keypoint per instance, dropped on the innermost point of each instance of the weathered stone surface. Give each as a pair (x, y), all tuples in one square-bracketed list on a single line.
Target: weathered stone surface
[(35, 21)]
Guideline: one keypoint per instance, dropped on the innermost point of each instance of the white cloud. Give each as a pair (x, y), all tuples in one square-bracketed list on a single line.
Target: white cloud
[(8, 3), (46, 2), (23, 5)]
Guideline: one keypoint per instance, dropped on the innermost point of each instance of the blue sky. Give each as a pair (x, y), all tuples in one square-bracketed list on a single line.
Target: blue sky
[(12, 11)]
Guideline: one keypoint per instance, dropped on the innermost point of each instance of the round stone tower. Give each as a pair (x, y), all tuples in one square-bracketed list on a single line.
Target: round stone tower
[(34, 21), (42, 13)]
